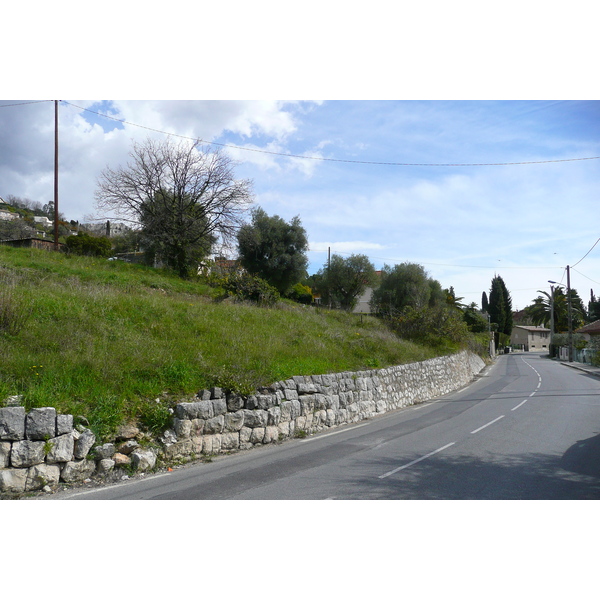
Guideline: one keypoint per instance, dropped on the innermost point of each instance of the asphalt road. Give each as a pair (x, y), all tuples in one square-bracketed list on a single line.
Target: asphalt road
[(527, 428)]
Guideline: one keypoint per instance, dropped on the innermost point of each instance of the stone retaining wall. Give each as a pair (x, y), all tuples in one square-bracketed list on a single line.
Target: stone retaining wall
[(42, 448), (215, 422)]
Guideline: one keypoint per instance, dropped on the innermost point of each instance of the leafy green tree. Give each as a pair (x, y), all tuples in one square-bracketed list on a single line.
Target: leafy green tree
[(343, 280), (274, 249), (406, 284), (475, 320), (88, 245)]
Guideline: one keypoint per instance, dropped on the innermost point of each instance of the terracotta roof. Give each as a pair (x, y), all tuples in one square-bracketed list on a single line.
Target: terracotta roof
[(591, 328)]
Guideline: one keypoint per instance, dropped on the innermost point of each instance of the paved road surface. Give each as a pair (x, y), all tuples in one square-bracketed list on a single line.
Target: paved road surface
[(528, 428)]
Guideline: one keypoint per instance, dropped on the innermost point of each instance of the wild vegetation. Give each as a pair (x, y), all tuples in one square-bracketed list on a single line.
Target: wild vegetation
[(106, 339)]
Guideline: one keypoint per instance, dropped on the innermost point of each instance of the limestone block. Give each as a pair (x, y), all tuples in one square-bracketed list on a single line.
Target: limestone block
[(203, 395), (330, 418), (284, 429), (182, 427), (61, 449), (219, 406), (214, 425), (84, 444), (211, 444), (127, 447), (235, 402), (271, 435), (251, 403), (122, 460), (197, 427), (13, 480), (77, 470), (230, 441), (143, 460), (176, 450), (286, 411), (104, 466), (234, 421), (245, 435), (290, 394), (186, 411), (64, 424), (257, 436), (26, 453), (274, 415), (12, 423), (127, 432), (40, 476), (105, 451), (40, 424), (216, 393), (255, 418), (4, 454), (308, 404)]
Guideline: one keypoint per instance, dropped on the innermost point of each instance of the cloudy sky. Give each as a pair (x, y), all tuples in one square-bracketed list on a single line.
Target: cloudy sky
[(417, 181), (406, 161)]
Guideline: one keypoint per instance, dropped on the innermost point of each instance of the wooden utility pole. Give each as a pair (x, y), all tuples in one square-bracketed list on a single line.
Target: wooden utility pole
[(570, 314), (56, 175)]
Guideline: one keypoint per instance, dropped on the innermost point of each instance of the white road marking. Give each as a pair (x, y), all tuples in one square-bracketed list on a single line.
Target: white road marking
[(536, 389), (414, 462), (320, 437), (488, 424)]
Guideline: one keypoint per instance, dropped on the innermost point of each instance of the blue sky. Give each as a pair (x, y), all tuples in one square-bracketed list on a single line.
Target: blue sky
[(464, 224)]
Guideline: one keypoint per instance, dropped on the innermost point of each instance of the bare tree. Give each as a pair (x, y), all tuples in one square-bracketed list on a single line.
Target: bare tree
[(182, 196)]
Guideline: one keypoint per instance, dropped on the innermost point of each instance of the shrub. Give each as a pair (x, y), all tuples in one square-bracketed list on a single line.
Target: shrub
[(244, 286), (301, 293), (433, 326), (87, 245)]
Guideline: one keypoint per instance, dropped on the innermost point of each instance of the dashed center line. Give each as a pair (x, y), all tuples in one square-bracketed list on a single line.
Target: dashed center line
[(414, 462), (488, 424)]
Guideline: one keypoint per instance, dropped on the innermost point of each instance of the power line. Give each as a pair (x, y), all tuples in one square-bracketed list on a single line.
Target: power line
[(338, 160), (23, 103), (598, 240), (396, 261)]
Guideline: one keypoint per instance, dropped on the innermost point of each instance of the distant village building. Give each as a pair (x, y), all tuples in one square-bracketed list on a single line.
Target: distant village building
[(45, 221), (530, 338)]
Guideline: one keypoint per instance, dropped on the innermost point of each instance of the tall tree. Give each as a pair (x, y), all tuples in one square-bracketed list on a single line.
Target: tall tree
[(406, 285), (484, 302), (274, 249), (343, 280), (179, 193), (500, 307)]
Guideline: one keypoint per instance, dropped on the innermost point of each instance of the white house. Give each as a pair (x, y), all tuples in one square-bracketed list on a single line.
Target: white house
[(45, 221)]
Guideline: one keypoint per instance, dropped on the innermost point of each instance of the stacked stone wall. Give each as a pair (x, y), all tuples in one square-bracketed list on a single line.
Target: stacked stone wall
[(214, 422), (41, 448)]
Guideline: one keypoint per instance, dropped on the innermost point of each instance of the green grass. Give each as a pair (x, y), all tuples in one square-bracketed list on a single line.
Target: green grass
[(104, 339)]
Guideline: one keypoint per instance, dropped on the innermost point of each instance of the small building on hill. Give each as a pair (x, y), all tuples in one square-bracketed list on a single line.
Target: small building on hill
[(32, 243)]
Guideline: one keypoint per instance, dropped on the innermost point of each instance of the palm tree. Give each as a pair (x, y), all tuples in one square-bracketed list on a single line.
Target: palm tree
[(540, 311)]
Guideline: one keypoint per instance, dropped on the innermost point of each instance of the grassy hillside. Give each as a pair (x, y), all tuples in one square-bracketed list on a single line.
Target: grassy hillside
[(104, 339)]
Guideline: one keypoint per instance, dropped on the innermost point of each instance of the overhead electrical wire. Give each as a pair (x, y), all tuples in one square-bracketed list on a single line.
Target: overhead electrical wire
[(320, 158), (598, 240)]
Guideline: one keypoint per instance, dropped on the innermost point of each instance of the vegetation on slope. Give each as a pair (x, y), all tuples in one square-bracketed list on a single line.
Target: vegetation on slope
[(105, 339)]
